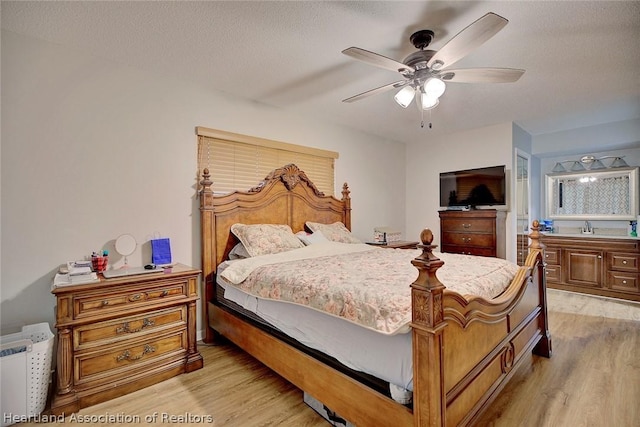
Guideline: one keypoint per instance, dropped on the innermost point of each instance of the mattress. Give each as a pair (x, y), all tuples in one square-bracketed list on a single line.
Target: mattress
[(387, 357)]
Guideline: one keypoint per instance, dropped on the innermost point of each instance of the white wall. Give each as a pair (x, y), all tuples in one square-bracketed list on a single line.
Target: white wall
[(93, 149), (487, 146), (602, 137)]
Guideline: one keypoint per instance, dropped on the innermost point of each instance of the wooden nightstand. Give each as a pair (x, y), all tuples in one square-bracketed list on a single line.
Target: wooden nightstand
[(396, 245), (123, 334)]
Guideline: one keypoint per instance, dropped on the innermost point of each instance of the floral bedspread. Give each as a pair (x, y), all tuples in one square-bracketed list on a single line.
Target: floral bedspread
[(361, 283)]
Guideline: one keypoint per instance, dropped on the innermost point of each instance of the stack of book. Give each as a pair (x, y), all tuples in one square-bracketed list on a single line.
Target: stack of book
[(74, 273)]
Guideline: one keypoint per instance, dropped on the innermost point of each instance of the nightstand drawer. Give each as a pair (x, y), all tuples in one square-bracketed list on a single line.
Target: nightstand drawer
[(100, 303), (116, 330), (117, 362)]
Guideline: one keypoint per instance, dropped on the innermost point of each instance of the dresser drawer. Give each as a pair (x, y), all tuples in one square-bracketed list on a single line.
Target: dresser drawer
[(99, 303), (116, 330), (468, 239), (469, 250), (468, 225), (116, 362), (623, 262)]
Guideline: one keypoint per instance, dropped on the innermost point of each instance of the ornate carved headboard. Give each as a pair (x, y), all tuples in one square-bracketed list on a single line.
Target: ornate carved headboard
[(286, 196)]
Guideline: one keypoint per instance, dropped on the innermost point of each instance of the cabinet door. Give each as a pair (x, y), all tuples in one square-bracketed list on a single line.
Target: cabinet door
[(583, 268)]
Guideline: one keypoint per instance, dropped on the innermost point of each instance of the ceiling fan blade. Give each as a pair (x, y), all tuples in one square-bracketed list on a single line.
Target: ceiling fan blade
[(467, 40), (377, 90), (377, 60), (482, 75)]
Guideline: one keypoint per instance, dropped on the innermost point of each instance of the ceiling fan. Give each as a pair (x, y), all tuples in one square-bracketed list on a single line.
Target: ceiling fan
[(425, 72)]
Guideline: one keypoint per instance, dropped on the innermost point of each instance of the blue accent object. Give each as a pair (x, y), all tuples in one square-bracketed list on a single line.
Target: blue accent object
[(161, 251)]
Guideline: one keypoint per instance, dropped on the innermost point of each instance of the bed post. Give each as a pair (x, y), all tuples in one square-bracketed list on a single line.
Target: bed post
[(429, 401), (347, 205), (207, 225), (543, 348)]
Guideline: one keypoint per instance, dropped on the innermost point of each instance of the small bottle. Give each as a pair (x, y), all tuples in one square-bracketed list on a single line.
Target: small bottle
[(633, 228)]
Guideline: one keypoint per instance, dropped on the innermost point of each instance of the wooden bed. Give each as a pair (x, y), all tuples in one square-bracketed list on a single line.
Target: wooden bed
[(464, 352)]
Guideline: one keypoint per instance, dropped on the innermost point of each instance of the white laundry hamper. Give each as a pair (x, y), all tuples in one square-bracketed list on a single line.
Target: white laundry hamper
[(25, 364)]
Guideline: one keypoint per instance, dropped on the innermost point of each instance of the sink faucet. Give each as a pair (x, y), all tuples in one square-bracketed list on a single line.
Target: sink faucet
[(587, 227)]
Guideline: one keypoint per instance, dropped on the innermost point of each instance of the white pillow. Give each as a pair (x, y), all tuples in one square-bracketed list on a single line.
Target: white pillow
[(263, 239), (336, 232), (239, 252), (311, 238)]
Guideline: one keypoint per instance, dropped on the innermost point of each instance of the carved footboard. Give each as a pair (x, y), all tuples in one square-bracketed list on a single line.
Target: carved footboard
[(464, 352)]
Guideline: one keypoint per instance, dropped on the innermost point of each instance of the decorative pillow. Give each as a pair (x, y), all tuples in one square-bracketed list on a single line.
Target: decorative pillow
[(336, 232), (311, 238), (239, 252), (263, 239)]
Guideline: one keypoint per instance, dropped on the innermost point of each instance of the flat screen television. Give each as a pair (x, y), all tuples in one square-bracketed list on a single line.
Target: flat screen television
[(473, 187)]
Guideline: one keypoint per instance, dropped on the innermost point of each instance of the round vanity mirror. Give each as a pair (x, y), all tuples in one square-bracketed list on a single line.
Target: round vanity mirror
[(125, 245)]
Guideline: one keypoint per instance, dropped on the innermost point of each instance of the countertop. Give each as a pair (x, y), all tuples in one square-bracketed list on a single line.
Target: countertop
[(589, 236)]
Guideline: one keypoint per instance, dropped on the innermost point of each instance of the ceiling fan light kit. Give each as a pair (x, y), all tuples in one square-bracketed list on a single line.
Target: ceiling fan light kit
[(425, 71), (405, 96), (429, 103)]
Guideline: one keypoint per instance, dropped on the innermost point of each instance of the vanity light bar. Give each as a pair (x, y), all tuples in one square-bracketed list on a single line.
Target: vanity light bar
[(595, 163)]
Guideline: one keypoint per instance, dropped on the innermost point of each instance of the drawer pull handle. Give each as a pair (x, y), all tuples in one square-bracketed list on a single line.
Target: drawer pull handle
[(624, 261), (105, 303), (126, 329), (135, 297), (466, 225), (624, 282), (599, 256), (126, 355), (165, 293)]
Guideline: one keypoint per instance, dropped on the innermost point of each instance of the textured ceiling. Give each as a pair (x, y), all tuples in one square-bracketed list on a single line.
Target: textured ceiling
[(582, 59)]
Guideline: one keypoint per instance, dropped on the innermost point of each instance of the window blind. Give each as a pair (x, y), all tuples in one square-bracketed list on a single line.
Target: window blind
[(240, 162)]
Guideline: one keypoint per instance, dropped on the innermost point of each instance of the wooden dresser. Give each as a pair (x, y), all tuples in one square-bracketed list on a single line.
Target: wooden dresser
[(475, 232), (593, 265), (123, 334)]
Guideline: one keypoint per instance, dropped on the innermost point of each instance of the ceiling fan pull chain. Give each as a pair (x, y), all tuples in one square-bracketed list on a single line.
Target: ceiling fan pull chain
[(422, 118), (430, 119)]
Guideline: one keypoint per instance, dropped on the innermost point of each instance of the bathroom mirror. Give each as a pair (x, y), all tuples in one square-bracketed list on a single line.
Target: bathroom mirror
[(610, 194)]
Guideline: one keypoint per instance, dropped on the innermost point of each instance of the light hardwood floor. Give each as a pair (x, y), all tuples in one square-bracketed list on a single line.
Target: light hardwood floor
[(593, 379)]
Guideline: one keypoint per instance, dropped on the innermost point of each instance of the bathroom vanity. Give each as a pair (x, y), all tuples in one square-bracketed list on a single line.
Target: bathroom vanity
[(598, 265)]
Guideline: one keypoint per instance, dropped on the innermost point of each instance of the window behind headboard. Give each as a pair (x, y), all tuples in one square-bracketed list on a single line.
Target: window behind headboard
[(240, 162)]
